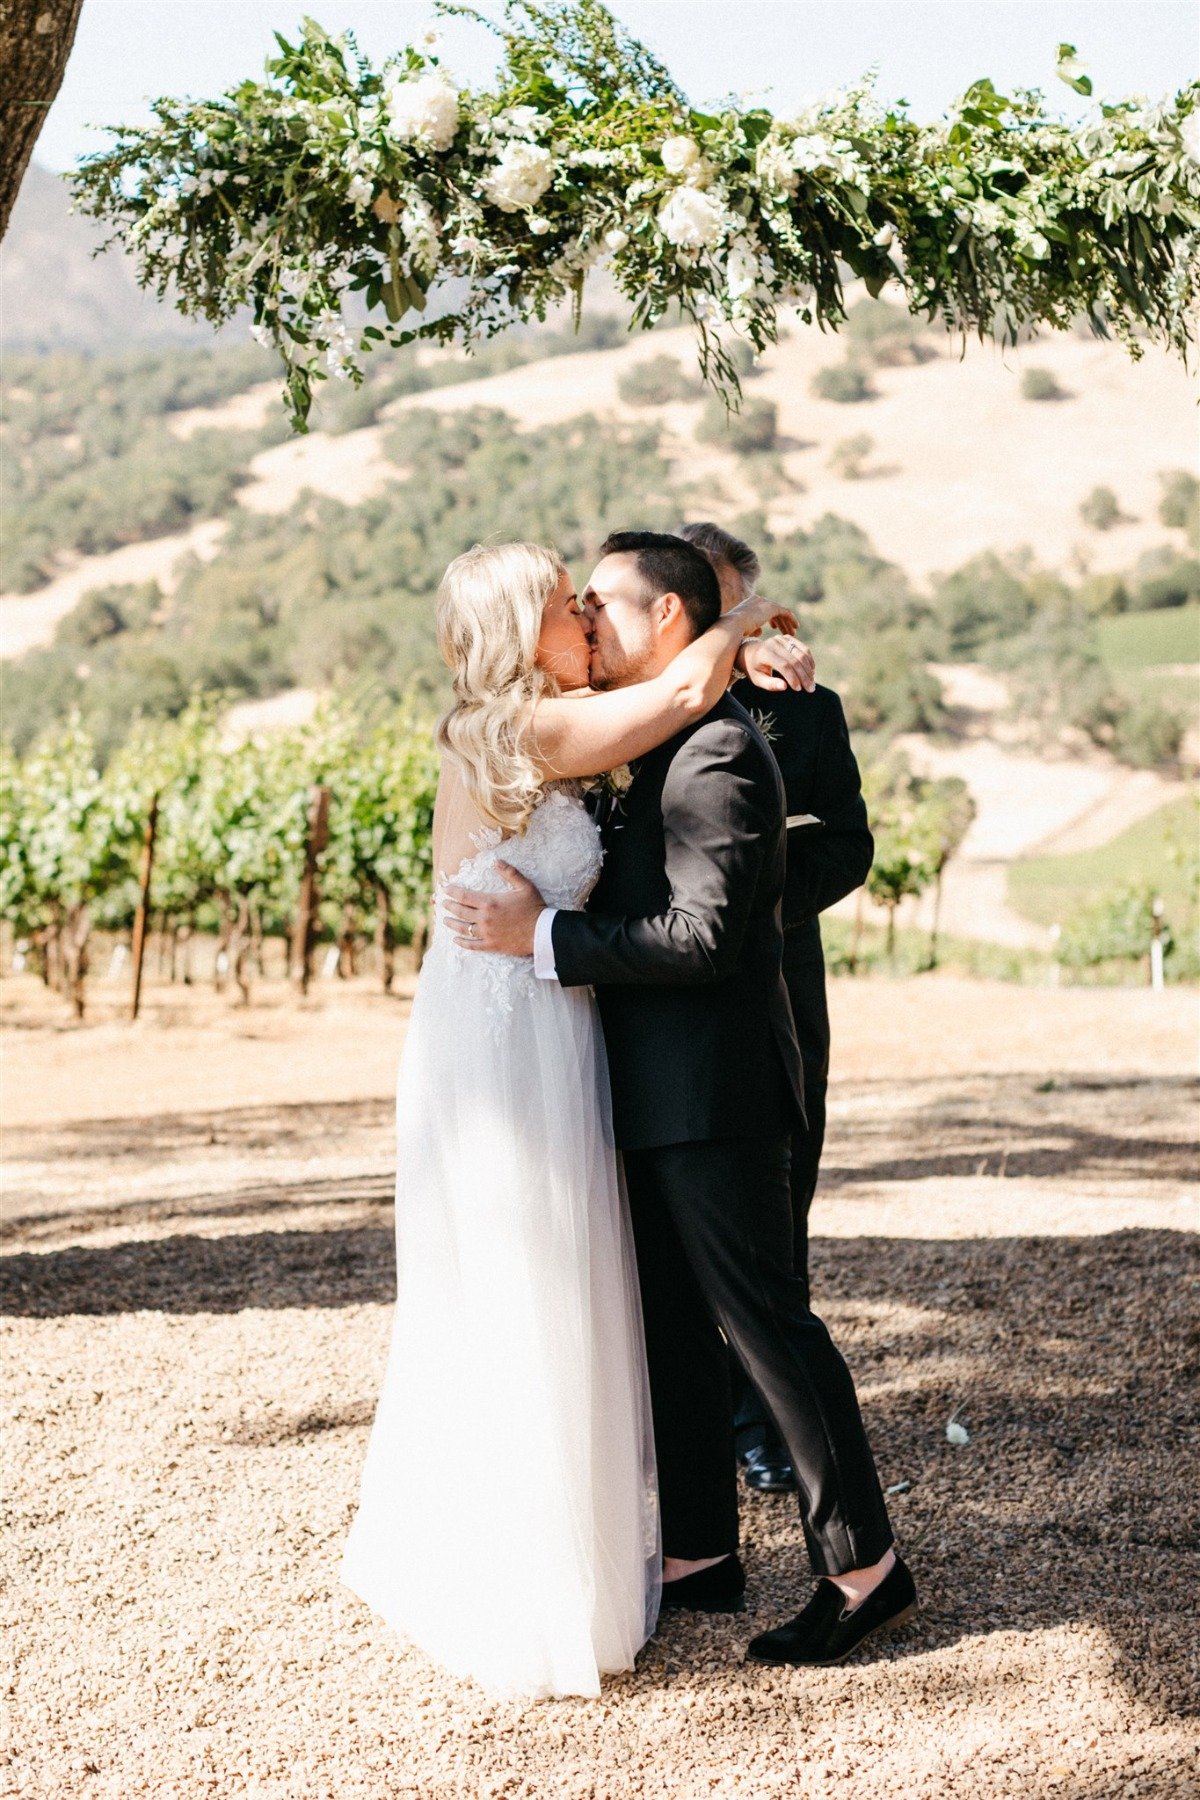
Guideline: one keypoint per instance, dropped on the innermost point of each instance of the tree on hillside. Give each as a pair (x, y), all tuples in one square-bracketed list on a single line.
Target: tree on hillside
[(35, 41), (944, 818)]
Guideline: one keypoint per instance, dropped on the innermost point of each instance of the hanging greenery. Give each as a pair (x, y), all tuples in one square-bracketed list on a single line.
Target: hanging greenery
[(331, 179)]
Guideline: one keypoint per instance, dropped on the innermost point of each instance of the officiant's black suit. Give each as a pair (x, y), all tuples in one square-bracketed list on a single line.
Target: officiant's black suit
[(683, 942), (825, 862)]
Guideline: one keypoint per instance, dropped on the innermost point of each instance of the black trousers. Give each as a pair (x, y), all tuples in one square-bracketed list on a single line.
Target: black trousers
[(804, 977), (712, 1224)]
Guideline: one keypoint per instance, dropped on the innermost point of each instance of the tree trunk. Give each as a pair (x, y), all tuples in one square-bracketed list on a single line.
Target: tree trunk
[(856, 934), (55, 977), (256, 940), (224, 932), (142, 915), (75, 955), (420, 941), (891, 930), (345, 966), (937, 915), (385, 941), (315, 841), (35, 41), (238, 949), (43, 944)]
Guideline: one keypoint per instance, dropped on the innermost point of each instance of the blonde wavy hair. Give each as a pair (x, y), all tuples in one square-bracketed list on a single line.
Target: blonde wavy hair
[(489, 618)]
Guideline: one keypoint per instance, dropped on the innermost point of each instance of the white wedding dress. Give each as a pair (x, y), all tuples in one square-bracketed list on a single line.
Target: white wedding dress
[(508, 1520)]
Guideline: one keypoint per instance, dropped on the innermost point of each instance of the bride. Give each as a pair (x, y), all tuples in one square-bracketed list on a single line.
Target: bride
[(507, 1521)]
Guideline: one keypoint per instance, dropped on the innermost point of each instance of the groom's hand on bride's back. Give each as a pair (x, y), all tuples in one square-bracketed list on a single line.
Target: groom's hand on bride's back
[(501, 923)]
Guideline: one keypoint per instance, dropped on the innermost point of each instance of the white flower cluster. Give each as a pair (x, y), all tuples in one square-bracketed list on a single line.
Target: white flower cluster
[(422, 232), (692, 220), (692, 217), (520, 177), (518, 121), (1189, 136), (423, 110), (340, 359), (781, 161), (709, 212)]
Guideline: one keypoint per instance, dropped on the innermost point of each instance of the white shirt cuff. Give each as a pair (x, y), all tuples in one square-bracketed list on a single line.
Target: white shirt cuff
[(543, 945)]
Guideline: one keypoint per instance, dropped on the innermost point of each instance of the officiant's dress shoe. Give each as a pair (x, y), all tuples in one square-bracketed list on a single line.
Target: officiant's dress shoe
[(768, 1470), (825, 1633), (719, 1588)]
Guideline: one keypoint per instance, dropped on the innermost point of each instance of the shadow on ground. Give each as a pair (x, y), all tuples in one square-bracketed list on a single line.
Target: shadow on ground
[(1073, 1362)]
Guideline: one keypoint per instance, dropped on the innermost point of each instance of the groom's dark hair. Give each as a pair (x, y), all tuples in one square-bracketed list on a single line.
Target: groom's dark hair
[(670, 565)]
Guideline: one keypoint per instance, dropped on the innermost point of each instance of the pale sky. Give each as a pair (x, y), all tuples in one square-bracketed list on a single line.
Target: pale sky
[(781, 52)]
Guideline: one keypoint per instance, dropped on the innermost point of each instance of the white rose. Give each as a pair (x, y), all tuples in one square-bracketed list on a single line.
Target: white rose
[(616, 240), (359, 191), (520, 178), (539, 227), (883, 237), (679, 154), (424, 112), (691, 220), (812, 152), (741, 272), (1189, 136)]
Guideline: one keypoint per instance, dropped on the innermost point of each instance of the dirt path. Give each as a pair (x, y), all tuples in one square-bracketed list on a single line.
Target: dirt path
[(197, 1299)]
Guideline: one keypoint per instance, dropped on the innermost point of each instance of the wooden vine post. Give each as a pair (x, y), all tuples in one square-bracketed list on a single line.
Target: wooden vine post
[(142, 915), (315, 841)]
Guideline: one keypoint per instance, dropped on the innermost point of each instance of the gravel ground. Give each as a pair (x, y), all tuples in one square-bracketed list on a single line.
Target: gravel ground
[(196, 1305)]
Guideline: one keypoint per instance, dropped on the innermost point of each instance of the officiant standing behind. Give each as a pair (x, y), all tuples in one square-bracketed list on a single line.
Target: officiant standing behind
[(829, 852)]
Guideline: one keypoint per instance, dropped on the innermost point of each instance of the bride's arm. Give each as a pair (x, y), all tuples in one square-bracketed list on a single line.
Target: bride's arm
[(586, 735)]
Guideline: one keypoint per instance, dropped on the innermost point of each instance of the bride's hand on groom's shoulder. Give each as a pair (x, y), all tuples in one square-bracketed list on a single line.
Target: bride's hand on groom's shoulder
[(501, 923), (779, 663)]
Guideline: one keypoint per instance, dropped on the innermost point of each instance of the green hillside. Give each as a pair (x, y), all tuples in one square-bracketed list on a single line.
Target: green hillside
[(1049, 889), (1140, 640)]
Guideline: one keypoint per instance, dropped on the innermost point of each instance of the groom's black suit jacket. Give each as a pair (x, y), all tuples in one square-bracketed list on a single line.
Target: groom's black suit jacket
[(683, 942)]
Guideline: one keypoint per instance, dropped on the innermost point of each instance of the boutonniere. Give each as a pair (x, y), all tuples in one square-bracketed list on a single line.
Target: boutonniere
[(766, 724), (616, 782)]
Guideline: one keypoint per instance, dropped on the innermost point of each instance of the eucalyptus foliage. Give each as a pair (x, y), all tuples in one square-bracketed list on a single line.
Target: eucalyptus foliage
[(332, 181)]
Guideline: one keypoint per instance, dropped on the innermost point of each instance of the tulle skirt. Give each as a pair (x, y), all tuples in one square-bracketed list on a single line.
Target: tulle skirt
[(508, 1520)]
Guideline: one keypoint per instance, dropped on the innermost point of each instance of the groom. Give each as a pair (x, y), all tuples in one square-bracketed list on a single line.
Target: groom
[(683, 944)]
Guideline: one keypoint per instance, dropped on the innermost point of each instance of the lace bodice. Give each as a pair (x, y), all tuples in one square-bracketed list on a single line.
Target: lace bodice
[(559, 852)]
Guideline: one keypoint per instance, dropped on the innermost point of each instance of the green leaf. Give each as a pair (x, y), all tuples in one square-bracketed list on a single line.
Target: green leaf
[(1069, 69)]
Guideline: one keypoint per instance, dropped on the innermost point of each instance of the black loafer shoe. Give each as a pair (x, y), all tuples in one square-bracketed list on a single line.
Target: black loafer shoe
[(719, 1588), (768, 1470), (825, 1633)]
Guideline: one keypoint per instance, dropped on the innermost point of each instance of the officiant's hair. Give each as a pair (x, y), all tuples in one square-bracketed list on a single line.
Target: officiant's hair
[(670, 565), (720, 545)]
